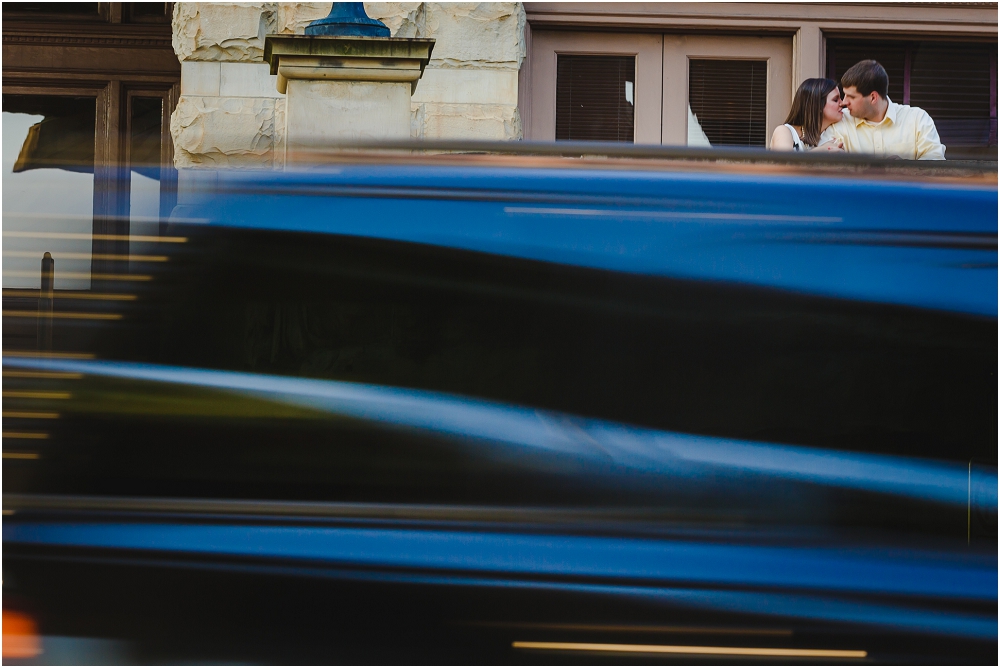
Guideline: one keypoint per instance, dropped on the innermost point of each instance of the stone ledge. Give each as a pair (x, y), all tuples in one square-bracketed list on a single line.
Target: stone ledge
[(387, 59), (280, 46)]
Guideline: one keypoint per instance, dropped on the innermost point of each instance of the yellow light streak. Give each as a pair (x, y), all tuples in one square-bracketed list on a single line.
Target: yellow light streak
[(100, 237), (645, 628), (61, 375), (83, 275), (33, 394), (31, 415), (65, 294), (8, 512), (65, 316), (38, 353), (21, 455), (59, 255), (29, 435), (692, 649)]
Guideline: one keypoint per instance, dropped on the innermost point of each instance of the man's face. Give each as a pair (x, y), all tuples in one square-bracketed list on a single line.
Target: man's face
[(860, 106)]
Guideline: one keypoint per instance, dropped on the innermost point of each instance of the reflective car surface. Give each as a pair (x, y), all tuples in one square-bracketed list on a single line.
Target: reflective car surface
[(515, 409)]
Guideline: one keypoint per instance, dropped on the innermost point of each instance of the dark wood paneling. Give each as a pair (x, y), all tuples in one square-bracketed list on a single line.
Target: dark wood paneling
[(47, 45), (111, 56), (29, 58)]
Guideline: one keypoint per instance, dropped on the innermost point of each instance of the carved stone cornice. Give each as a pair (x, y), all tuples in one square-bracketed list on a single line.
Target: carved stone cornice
[(129, 41), (87, 33), (87, 49)]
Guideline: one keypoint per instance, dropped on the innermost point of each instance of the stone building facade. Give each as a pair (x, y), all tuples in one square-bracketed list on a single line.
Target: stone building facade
[(230, 113), (493, 72), (671, 73)]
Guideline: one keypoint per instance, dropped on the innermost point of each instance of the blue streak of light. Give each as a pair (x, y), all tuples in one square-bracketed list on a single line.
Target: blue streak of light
[(633, 237), (677, 562), (531, 431), (802, 606)]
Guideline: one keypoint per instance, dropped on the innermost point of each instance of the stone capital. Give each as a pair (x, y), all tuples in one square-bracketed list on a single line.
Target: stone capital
[(376, 59)]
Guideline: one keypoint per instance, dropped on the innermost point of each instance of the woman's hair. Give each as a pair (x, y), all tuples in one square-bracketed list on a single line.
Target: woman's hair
[(807, 108)]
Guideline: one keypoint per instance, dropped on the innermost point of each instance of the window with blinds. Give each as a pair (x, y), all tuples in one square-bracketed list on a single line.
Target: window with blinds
[(955, 82), (728, 98), (595, 98)]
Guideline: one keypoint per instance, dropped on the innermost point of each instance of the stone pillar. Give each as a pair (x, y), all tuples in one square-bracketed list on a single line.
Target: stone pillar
[(469, 89), (345, 88)]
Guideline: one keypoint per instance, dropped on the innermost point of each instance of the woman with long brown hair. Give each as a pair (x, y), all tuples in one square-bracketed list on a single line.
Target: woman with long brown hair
[(815, 108)]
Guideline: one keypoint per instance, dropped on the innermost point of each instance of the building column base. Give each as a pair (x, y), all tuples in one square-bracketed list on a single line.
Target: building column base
[(345, 88)]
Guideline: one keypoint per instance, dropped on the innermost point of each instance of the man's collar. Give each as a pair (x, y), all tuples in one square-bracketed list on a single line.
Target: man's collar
[(890, 114), (890, 111)]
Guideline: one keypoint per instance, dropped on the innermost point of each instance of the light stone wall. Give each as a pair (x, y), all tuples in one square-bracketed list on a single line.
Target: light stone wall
[(231, 115)]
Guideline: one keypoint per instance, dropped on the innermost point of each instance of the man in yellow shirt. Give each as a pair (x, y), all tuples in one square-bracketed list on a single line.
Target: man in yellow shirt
[(878, 125)]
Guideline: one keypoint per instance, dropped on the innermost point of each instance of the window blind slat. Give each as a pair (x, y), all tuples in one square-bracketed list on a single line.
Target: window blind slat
[(592, 98), (729, 100)]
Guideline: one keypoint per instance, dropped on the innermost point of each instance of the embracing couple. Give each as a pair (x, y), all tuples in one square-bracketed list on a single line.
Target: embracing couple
[(858, 117)]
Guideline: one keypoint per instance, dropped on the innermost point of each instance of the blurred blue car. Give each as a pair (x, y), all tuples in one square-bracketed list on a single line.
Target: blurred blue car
[(480, 409)]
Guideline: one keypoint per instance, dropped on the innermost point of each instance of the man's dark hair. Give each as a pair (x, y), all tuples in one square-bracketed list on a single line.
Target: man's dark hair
[(867, 76)]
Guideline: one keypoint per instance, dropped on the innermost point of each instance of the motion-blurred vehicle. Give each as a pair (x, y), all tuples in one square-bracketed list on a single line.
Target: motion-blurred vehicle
[(473, 408)]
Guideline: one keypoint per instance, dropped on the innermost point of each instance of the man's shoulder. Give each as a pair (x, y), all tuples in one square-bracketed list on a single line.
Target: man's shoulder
[(916, 113)]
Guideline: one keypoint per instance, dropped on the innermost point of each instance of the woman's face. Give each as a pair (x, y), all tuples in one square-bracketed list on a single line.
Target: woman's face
[(831, 110)]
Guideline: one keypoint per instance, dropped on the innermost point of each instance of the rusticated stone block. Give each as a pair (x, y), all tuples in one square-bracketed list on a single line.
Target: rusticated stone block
[(293, 17), (214, 132), (475, 34), (461, 86), (465, 121), (404, 19), (225, 31)]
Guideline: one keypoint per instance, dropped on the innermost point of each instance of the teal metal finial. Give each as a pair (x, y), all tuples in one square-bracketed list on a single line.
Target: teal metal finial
[(348, 19)]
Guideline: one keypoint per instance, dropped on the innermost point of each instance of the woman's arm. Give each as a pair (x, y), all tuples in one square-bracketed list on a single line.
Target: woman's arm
[(781, 139), (835, 145)]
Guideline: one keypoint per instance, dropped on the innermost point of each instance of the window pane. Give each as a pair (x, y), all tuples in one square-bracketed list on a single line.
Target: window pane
[(595, 98), (952, 81), (728, 99), (892, 56), (48, 188), (144, 185)]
